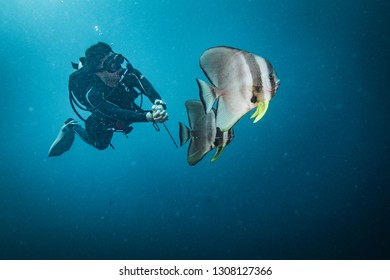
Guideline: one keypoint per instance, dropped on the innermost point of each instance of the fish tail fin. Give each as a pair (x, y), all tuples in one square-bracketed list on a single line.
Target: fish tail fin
[(218, 153), (260, 110), (184, 133), (207, 95)]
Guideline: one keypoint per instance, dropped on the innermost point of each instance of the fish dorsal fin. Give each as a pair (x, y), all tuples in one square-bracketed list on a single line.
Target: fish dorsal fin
[(218, 62)]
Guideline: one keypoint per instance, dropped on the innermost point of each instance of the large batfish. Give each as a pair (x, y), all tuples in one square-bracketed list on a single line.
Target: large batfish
[(204, 134), (240, 81)]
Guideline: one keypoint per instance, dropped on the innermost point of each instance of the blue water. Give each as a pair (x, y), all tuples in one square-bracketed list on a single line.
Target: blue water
[(309, 181)]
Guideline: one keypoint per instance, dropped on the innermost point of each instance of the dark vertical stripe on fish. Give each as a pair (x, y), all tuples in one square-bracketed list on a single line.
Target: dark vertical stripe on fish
[(270, 70), (255, 71)]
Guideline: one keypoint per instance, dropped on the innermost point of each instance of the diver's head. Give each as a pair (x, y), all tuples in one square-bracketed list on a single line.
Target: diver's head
[(105, 63), (110, 76), (95, 53), (101, 57)]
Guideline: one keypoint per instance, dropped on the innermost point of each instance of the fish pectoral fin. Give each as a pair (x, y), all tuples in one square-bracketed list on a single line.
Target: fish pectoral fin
[(218, 153), (207, 94), (260, 110)]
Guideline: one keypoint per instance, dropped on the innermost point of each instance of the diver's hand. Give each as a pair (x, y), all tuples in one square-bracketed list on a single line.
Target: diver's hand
[(149, 117), (156, 108), (158, 111), (158, 114), (159, 102)]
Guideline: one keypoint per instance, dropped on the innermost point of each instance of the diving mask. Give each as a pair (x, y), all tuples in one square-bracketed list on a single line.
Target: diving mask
[(114, 62)]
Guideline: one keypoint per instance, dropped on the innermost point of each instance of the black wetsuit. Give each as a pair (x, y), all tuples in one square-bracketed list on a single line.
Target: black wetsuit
[(118, 112)]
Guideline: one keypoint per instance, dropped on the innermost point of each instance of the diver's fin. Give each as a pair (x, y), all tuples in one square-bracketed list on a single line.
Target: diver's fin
[(64, 140), (260, 110), (75, 65), (207, 94), (184, 133)]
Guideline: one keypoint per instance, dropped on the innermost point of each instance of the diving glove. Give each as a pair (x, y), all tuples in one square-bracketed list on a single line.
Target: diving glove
[(158, 114), (159, 102)]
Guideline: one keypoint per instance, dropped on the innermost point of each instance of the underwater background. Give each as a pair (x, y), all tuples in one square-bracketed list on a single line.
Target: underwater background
[(309, 181)]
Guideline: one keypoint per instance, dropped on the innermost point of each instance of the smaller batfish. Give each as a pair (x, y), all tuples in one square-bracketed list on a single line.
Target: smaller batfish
[(204, 135), (240, 81)]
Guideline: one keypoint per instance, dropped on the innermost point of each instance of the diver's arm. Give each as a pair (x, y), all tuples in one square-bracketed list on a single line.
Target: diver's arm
[(158, 109), (105, 107), (150, 92)]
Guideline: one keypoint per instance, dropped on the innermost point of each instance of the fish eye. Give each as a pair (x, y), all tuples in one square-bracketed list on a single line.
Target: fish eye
[(271, 76), (254, 99)]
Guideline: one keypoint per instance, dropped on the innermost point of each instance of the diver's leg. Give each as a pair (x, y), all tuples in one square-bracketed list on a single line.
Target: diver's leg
[(96, 134), (83, 134), (99, 140), (99, 131)]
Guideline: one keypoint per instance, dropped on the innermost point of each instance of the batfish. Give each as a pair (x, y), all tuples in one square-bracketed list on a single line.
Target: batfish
[(204, 134), (240, 81)]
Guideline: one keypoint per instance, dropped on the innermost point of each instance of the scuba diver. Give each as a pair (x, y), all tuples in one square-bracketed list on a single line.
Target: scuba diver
[(106, 85)]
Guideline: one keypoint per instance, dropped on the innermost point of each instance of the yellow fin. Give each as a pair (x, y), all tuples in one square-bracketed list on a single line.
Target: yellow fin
[(260, 110), (218, 153)]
